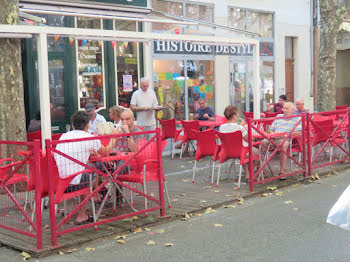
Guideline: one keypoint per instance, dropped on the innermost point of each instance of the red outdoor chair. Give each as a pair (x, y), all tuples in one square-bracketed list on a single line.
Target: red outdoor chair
[(341, 107), (34, 135), (321, 132), (231, 148), (248, 114), (146, 169), (189, 134), (206, 146), (169, 131), (5, 171), (220, 119), (271, 114)]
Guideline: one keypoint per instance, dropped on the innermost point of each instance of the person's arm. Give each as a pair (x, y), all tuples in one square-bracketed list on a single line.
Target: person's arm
[(211, 115), (105, 150), (133, 104)]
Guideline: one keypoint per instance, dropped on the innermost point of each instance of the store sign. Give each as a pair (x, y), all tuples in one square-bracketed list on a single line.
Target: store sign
[(173, 47)]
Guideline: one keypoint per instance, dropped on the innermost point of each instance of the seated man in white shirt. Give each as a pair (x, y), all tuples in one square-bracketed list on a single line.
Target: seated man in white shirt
[(80, 151), (231, 114), (95, 118), (142, 102)]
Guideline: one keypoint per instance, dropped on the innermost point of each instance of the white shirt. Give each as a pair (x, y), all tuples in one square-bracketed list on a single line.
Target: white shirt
[(233, 127), (145, 99), (93, 124), (77, 150)]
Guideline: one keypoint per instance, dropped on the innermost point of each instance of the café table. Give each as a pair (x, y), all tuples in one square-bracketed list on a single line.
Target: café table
[(210, 124), (114, 156)]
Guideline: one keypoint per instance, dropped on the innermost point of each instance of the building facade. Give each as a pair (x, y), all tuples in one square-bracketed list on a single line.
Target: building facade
[(107, 72)]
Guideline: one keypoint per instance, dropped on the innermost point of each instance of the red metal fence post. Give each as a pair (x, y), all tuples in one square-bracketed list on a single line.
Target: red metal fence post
[(250, 148), (303, 128), (38, 218), (51, 193), (349, 129), (309, 159), (160, 174)]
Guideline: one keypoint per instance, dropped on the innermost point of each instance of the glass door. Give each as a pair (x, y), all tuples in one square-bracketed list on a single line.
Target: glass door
[(169, 85), (241, 80)]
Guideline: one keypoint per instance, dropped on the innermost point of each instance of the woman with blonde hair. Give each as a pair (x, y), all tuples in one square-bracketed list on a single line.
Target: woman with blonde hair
[(114, 114)]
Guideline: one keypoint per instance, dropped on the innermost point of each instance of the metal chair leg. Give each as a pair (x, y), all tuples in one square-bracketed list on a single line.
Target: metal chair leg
[(194, 170), (239, 177), (167, 194), (212, 174), (182, 146), (217, 181)]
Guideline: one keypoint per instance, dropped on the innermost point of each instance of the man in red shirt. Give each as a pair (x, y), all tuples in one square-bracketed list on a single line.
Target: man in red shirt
[(277, 107)]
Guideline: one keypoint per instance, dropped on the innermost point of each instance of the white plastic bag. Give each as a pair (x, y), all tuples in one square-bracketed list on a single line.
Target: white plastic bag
[(340, 212)]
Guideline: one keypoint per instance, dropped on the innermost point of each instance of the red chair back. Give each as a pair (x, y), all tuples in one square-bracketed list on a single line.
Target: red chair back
[(248, 114), (341, 107), (220, 119), (206, 143), (231, 145), (150, 152), (168, 128), (321, 130), (34, 135), (267, 122), (189, 128), (56, 136), (271, 114)]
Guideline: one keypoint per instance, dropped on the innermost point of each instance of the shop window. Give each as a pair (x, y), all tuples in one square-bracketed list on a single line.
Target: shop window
[(267, 86), (172, 8), (200, 12), (253, 21), (54, 43), (91, 87)]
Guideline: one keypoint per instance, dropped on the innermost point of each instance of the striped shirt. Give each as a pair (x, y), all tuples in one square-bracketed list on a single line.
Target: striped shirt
[(285, 125)]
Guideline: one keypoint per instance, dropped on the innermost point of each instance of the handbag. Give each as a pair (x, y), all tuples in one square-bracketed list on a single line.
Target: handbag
[(339, 215)]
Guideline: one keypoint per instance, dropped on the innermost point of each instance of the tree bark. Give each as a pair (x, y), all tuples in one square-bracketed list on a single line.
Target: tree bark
[(332, 13), (12, 114)]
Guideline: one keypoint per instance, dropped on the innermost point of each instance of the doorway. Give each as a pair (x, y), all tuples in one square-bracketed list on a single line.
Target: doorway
[(289, 68)]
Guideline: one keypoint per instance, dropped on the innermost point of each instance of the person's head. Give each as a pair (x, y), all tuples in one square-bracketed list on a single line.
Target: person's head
[(37, 115), (114, 113), (144, 84), (288, 108), (90, 109), (80, 120), (127, 118), (282, 99), (299, 104), (231, 113), (202, 103)]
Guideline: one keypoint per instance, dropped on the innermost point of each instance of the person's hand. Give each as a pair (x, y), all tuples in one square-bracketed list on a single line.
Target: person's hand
[(116, 131), (206, 116), (125, 128), (197, 116), (146, 108)]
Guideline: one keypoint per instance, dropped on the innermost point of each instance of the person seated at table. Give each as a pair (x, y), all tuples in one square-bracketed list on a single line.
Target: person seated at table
[(300, 109), (277, 107), (80, 151), (95, 118), (35, 124), (284, 126), (231, 114), (114, 115), (204, 112)]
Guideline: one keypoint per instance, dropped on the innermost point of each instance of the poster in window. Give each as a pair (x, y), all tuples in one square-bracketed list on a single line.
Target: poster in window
[(127, 83)]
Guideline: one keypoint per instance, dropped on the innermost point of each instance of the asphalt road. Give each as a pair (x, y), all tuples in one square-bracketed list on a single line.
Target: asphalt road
[(261, 229)]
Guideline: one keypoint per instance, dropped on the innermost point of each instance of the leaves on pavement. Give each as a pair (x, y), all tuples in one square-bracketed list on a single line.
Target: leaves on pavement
[(25, 255), (150, 242), (120, 241), (138, 230), (168, 244), (160, 231), (90, 249), (120, 237), (288, 202), (217, 225), (228, 206)]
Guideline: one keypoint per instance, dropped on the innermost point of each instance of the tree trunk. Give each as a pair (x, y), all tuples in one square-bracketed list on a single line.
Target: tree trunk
[(332, 15), (12, 114)]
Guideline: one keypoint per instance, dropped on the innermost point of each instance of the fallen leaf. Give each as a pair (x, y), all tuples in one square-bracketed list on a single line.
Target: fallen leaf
[(121, 241), (335, 172), (182, 194), (279, 193), (90, 249), (147, 229), (160, 231), (46, 226), (129, 219), (110, 228), (168, 244), (241, 199), (203, 201), (135, 217), (182, 166), (25, 255), (328, 175), (317, 177), (174, 200), (217, 225), (150, 242), (334, 185), (216, 191), (296, 185), (120, 236), (264, 194), (236, 194), (296, 209), (71, 250), (227, 195), (201, 205), (272, 188), (60, 253), (228, 206), (186, 180), (288, 202), (138, 230), (209, 210), (198, 214), (185, 216)]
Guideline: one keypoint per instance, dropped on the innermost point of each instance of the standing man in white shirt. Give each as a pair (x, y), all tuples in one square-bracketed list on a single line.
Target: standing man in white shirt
[(142, 102), (95, 118)]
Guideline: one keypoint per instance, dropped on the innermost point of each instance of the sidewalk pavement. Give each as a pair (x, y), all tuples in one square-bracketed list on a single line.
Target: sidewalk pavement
[(187, 199)]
